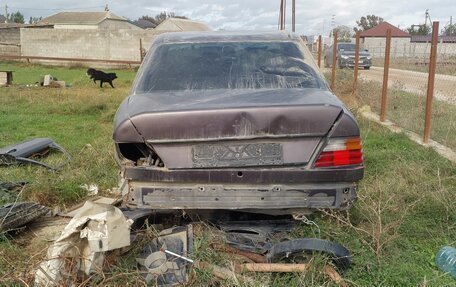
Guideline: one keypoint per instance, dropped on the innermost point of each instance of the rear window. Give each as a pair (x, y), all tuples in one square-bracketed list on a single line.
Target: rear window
[(227, 65)]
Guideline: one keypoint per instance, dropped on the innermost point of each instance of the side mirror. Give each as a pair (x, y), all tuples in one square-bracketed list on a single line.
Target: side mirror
[(366, 50)]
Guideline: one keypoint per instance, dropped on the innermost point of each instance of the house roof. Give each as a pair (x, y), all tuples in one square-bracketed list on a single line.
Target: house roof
[(428, 39), (178, 24), (81, 18), (380, 31)]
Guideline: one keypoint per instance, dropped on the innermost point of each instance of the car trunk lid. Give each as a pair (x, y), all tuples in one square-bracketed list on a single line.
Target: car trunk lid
[(234, 114), (206, 129)]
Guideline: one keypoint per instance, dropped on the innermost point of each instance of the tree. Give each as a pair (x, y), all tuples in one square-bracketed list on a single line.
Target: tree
[(16, 18), (365, 23), (423, 29), (449, 30), (34, 20), (161, 17), (344, 33)]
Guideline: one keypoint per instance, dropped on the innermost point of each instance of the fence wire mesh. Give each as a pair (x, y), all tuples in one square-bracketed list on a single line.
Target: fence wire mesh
[(443, 128), (407, 87)]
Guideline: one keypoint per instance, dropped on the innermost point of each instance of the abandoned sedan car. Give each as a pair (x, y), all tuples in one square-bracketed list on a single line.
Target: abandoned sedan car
[(237, 121)]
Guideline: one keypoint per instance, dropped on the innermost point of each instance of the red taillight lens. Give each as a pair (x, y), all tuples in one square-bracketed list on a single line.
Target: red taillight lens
[(341, 152)]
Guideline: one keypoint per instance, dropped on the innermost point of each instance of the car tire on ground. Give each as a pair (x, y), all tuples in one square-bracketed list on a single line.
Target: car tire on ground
[(367, 68), (340, 65)]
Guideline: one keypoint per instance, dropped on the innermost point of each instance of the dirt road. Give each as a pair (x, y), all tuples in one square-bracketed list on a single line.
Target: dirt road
[(415, 82)]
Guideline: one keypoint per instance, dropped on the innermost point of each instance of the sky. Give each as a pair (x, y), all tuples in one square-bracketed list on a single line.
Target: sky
[(313, 17)]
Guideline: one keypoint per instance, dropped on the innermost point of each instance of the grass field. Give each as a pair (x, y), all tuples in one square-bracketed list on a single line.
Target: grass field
[(404, 214)]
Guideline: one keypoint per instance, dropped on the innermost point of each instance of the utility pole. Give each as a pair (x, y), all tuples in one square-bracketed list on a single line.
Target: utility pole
[(293, 18), (451, 26), (333, 24), (281, 15), (6, 13), (427, 16)]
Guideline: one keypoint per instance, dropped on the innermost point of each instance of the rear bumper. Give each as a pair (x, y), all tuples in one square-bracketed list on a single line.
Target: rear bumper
[(250, 189), (243, 176), (242, 197), (350, 63)]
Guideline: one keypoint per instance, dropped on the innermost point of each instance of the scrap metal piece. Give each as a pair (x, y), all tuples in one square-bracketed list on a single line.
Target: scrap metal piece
[(14, 215), (298, 250), (158, 263), (96, 228), (24, 151), (254, 236)]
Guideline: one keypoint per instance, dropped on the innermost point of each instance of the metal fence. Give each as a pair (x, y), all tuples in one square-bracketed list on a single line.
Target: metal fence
[(415, 91)]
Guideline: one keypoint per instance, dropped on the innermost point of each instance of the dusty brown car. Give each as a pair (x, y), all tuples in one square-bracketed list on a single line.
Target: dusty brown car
[(244, 121)]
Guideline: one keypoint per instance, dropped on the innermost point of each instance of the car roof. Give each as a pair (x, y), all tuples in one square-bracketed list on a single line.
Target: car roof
[(225, 36)]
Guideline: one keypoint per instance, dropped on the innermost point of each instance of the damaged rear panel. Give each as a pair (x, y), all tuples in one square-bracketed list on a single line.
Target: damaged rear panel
[(235, 121)]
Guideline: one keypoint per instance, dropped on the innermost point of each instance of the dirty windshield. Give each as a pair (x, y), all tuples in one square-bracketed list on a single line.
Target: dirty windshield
[(347, 47), (227, 65)]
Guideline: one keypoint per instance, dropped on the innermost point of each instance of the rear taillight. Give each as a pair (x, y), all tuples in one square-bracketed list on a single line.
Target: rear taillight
[(341, 152)]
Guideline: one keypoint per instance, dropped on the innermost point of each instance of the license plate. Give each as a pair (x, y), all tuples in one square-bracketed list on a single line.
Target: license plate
[(226, 155), (360, 62)]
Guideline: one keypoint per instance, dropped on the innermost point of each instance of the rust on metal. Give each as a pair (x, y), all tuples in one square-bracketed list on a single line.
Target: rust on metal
[(355, 67), (319, 51), (385, 76), (141, 55), (431, 77), (334, 62)]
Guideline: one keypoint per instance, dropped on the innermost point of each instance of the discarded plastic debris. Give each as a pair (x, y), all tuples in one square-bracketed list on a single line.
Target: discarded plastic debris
[(14, 215), (96, 228), (254, 236), (47, 80), (258, 237), (51, 81), (23, 152), (298, 250), (446, 260), (92, 189), (161, 262), (72, 211)]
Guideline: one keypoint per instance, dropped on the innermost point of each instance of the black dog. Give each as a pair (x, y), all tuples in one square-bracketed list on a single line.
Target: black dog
[(101, 76)]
